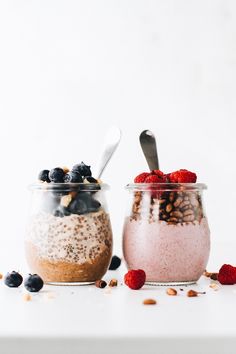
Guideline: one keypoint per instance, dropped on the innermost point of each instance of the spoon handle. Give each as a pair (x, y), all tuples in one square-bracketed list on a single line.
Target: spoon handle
[(148, 145), (111, 143)]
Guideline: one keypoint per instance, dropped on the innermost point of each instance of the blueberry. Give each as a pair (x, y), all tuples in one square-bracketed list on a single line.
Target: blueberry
[(73, 177), (78, 206), (13, 279), (115, 263), (43, 176), (56, 175), (83, 169), (33, 283), (93, 205), (91, 179)]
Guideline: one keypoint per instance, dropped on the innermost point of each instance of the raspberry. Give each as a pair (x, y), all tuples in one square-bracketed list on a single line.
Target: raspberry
[(183, 176), (141, 178), (159, 173), (167, 178), (227, 275), (135, 279), (153, 179)]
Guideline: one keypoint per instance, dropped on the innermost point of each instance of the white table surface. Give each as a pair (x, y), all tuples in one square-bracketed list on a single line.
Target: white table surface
[(85, 319)]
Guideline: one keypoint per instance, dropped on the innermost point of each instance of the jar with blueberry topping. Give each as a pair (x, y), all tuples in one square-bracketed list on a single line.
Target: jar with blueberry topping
[(69, 235)]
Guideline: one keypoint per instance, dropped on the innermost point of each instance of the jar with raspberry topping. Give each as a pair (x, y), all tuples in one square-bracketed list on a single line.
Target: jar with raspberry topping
[(166, 232)]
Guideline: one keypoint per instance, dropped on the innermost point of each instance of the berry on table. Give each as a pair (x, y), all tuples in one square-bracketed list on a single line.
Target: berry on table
[(82, 169), (135, 279), (73, 177), (33, 283), (43, 176), (227, 275), (115, 263), (56, 175), (13, 279)]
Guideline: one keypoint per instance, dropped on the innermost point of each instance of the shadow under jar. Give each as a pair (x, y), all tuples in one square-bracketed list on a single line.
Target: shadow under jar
[(166, 232), (69, 236)]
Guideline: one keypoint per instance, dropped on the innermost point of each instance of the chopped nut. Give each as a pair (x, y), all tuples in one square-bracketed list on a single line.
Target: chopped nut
[(1, 276), (178, 202), (188, 218), (149, 302), (27, 297), (212, 275), (214, 286), (65, 200), (113, 282), (100, 284), (169, 207), (193, 293), (171, 291), (176, 214), (65, 169)]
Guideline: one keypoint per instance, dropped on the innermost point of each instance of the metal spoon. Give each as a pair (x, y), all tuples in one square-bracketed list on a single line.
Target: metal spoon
[(148, 145), (112, 140)]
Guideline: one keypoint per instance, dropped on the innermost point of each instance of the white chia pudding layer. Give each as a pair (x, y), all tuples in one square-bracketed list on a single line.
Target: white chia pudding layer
[(74, 238)]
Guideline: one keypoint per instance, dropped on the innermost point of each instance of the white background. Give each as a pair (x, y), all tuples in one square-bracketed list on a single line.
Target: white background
[(71, 69)]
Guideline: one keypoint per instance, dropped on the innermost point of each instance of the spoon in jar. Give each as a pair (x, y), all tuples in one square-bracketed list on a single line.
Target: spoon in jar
[(148, 145), (112, 140)]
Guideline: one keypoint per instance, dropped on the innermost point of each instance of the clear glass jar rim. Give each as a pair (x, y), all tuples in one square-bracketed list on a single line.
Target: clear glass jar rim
[(165, 186), (92, 187)]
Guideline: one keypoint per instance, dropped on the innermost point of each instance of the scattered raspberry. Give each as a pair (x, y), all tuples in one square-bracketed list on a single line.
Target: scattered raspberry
[(183, 176), (153, 179), (141, 178), (135, 279), (227, 275)]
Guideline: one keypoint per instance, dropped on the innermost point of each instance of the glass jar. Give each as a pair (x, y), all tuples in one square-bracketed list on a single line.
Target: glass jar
[(69, 236), (166, 232)]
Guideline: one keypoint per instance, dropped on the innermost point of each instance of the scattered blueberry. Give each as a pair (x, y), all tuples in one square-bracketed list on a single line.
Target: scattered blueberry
[(83, 169), (43, 176), (73, 177), (78, 206), (56, 175), (115, 263), (13, 279), (33, 283)]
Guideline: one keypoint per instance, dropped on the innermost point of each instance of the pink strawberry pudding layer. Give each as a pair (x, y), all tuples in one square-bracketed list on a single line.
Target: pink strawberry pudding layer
[(167, 252)]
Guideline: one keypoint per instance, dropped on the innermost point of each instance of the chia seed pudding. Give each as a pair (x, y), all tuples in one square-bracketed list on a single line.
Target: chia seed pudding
[(69, 236)]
